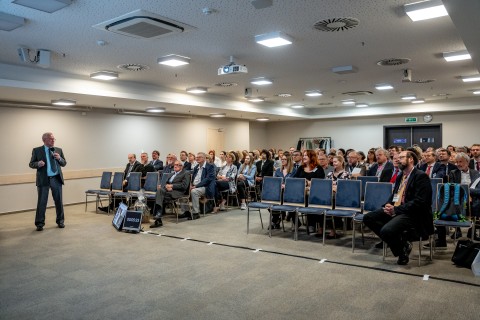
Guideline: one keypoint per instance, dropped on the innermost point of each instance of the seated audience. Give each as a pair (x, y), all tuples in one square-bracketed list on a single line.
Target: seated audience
[(203, 183), (156, 162), (443, 156), (175, 188), (226, 180), (214, 159), (147, 165), (297, 160), (475, 161), (191, 160), (371, 159), (264, 167), (323, 162), (354, 167), (171, 158), (408, 207), (184, 159), (475, 206), (383, 169), (246, 178)]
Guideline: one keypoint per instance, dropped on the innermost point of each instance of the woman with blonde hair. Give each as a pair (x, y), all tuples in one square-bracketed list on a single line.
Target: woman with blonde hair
[(245, 179)]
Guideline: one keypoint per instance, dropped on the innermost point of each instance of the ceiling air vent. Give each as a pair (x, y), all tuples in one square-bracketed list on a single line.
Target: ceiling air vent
[(143, 25), (423, 80), (133, 67), (393, 61), (358, 93), (226, 84), (336, 24)]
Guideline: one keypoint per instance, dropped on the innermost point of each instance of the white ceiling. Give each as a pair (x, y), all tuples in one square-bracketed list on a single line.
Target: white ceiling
[(384, 31)]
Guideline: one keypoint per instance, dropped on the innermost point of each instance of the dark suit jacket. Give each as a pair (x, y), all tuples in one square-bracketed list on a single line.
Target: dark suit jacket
[(418, 200), (455, 176), (475, 195), (266, 170), (180, 184), (471, 164), (207, 179), (448, 168), (438, 170), (187, 165), (157, 164), (386, 174), (137, 167), (38, 154)]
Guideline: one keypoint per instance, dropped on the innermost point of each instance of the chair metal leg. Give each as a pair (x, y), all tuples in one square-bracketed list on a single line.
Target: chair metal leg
[(353, 236), (260, 214), (248, 219), (324, 227), (270, 223), (295, 227)]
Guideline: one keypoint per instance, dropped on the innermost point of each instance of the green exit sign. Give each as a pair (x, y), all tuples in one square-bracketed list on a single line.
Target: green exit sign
[(411, 119)]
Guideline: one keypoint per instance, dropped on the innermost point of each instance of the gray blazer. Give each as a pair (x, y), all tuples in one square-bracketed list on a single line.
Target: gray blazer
[(39, 154), (180, 184)]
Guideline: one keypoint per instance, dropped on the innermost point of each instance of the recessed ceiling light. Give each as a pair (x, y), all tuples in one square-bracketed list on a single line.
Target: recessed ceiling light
[(297, 106), (263, 119), (155, 109), (424, 10), (261, 81), (473, 78), (173, 60), (104, 75), (476, 92), (361, 105), (9, 22), (313, 93), (348, 101), (197, 90), (418, 101), (409, 97), (456, 55), (283, 95), (383, 86), (256, 99), (64, 102), (45, 5), (273, 39), (218, 115)]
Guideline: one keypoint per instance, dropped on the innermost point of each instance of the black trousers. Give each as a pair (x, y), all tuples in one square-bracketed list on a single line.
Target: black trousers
[(389, 229), (56, 185)]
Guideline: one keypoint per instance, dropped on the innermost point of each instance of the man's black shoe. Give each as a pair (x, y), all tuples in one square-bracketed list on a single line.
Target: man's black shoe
[(194, 216), (104, 209), (403, 260), (61, 225), (157, 223), (39, 228), (408, 248), (379, 245), (184, 215)]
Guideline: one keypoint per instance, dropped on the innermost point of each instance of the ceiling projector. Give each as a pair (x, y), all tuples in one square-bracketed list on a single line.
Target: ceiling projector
[(232, 69)]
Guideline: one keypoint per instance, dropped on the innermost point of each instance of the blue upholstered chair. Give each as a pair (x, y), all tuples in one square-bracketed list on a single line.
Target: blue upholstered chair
[(376, 195), (347, 202), (134, 185), (364, 180), (319, 200), (293, 199), (435, 182), (103, 192), (150, 186), (271, 195)]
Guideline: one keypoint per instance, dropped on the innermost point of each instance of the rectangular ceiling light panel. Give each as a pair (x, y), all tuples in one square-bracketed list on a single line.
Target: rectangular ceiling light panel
[(44, 5)]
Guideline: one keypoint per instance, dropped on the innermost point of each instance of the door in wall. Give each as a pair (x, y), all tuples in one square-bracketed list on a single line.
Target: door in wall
[(422, 135), (215, 140), (398, 136)]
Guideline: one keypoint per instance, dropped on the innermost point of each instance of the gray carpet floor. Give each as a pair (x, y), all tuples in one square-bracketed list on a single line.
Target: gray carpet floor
[(211, 269)]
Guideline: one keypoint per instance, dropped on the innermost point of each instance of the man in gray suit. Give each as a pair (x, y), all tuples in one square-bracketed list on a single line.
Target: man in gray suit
[(175, 188), (48, 160)]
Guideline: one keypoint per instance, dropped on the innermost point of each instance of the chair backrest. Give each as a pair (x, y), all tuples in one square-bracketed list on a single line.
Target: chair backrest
[(348, 195), (165, 177), (434, 182), (320, 193), (456, 203), (294, 192), (376, 195), (272, 190), (106, 180), (151, 182), (189, 178), (364, 180), (117, 183), (134, 181)]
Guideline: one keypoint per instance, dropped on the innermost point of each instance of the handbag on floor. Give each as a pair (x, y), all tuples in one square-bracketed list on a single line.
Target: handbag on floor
[(465, 253)]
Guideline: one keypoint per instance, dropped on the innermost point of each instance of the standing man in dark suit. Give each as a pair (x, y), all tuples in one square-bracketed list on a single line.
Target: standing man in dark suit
[(383, 169), (410, 206), (48, 160), (203, 183), (175, 188)]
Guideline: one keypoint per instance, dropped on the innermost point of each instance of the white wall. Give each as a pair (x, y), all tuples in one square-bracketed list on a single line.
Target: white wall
[(258, 136), (97, 141), (364, 133)]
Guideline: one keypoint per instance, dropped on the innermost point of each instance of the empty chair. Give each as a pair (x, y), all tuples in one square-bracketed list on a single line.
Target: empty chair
[(293, 199), (434, 182), (134, 185), (376, 195), (347, 202), (150, 186), (103, 192), (117, 186), (271, 195), (319, 200), (364, 180)]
